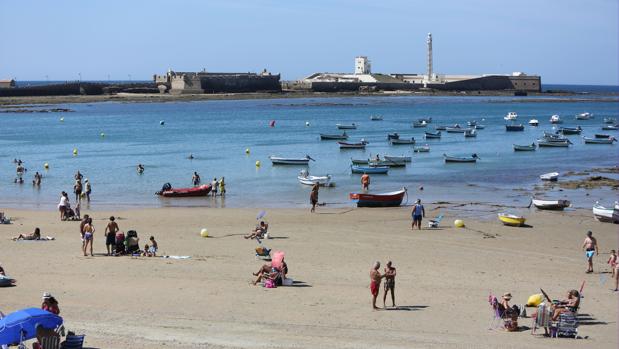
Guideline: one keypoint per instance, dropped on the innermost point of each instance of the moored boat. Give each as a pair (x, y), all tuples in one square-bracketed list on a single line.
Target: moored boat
[(390, 199), (511, 219), (610, 127), (470, 133), (609, 140), (529, 147), (422, 149), (533, 122), (201, 190), (440, 128), (600, 135), (326, 137), (397, 158), (555, 119), (419, 124), (553, 143), (514, 127), (610, 120), (605, 214), (570, 130), (584, 116), (276, 160), (471, 123), (455, 129), (369, 169), (355, 145), (376, 117), (359, 161), (385, 162), (472, 158), (323, 181), (550, 204), (426, 120), (433, 135), (352, 126), (551, 176), (511, 116), (394, 135), (403, 141), (479, 127)]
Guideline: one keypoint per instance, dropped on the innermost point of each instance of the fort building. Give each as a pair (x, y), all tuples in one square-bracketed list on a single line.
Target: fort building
[(210, 82)]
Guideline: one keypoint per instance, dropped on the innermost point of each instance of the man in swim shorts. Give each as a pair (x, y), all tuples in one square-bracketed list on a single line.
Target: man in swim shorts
[(375, 279), (110, 235), (390, 273), (590, 245), (418, 212)]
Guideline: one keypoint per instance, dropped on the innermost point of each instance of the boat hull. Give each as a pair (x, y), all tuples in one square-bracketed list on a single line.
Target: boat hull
[(346, 145), (402, 141), (392, 199), (514, 128), (511, 220), (323, 181), (555, 205), (604, 214), (370, 170), (530, 147), (202, 190), (430, 135), (397, 158), (289, 161), (326, 137)]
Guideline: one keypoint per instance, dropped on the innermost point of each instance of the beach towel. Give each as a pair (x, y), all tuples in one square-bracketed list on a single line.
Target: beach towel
[(42, 238), (176, 257), (277, 259)]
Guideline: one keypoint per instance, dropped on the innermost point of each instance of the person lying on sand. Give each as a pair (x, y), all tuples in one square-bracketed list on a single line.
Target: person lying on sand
[(259, 232), (36, 235), (570, 304)]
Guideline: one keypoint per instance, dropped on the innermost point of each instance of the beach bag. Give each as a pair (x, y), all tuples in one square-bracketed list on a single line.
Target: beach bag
[(535, 300), (269, 283)]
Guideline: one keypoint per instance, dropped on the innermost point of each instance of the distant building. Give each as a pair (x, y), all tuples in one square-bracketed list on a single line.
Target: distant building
[(7, 83), (208, 82)]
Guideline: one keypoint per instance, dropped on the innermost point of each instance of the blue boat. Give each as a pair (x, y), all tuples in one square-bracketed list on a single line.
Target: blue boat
[(370, 169)]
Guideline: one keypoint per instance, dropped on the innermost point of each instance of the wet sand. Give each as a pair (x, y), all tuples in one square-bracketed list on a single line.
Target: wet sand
[(444, 278)]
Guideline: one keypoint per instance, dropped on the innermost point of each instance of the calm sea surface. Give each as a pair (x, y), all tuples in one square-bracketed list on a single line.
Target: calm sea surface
[(218, 132)]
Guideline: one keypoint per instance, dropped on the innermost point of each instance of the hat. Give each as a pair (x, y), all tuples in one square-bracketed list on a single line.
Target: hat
[(507, 296), (46, 295)]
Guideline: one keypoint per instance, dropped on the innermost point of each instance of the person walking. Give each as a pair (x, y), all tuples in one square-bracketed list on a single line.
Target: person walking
[(590, 245), (314, 197), (418, 213), (365, 181), (62, 206), (89, 231), (390, 273)]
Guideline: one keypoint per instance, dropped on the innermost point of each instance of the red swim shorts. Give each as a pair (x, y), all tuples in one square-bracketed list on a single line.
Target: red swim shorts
[(374, 288)]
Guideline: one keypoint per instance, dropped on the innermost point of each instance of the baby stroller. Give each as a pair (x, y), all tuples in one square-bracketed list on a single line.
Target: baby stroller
[(132, 242), (119, 243), (69, 214)]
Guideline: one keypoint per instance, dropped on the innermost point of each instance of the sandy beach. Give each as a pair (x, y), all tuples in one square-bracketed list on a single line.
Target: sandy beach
[(444, 278)]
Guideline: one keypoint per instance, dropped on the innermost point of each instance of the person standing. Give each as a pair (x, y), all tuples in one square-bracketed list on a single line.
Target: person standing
[(62, 206), (195, 179), (418, 213), (590, 245), (375, 279), (110, 235), (78, 176), (365, 181), (314, 197), (214, 186), (89, 232), (390, 273), (222, 187), (77, 189), (88, 189)]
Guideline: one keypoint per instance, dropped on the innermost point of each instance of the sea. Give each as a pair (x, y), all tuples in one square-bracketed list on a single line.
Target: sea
[(234, 139)]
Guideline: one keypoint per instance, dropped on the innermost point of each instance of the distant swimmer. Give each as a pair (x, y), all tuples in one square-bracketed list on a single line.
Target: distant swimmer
[(140, 168), (190, 157)]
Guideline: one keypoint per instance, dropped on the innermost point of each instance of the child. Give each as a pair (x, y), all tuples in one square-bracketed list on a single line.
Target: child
[(612, 261), (153, 246), (146, 252), (77, 211)]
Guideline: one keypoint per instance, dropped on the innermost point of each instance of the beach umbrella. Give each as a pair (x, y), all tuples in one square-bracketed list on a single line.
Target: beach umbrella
[(21, 325), (261, 214)]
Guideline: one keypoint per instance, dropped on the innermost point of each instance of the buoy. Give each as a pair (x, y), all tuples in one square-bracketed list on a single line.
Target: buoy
[(307, 123), (74, 151), (247, 151), (62, 119), (102, 135), (257, 163), (458, 223), (46, 166), (162, 122), (204, 233)]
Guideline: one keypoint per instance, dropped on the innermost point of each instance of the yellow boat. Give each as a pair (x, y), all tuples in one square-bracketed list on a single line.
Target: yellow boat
[(512, 220)]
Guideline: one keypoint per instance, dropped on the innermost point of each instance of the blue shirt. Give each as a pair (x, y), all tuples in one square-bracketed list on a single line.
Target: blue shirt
[(418, 210)]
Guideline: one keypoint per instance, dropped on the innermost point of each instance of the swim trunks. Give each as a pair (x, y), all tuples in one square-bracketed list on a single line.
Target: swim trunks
[(389, 284), (374, 288), (110, 239), (590, 253), (87, 236)]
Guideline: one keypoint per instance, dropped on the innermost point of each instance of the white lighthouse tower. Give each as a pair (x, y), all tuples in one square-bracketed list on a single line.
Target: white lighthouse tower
[(430, 75), (362, 65)]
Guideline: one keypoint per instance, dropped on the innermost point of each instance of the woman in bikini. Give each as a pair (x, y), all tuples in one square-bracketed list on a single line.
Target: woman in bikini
[(89, 231)]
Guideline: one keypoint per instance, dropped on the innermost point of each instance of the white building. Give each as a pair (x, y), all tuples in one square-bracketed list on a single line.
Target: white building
[(362, 65)]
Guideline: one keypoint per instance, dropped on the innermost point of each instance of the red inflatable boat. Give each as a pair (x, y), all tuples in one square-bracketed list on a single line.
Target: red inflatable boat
[(202, 190)]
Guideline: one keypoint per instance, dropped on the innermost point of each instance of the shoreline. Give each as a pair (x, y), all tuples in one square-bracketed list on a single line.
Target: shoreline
[(7, 102)]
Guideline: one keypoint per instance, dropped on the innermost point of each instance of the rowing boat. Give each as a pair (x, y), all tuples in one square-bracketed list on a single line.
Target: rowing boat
[(323, 181), (433, 135), (609, 140), (514, 128), (352, 126), (403, 141), (391, 136), (570, 130), (511, 219), (610, 120), (276, 160), (610, 127), (397, 158), (604, 214), (529, 147), (369, 169), (422, 149), (472, 158), (584, 116), (470, 133), (600, 135), (547, 143), (420, 124), (327, 137), (390, 199), (376, 117), (551, 176), (550, 204), (455, 129), (356, 145)]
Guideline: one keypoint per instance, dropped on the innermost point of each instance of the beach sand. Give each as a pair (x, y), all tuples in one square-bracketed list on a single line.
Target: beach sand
[(444, 278)]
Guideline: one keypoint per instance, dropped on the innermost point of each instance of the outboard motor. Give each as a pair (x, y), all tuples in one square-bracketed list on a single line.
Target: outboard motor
[(165, 187)]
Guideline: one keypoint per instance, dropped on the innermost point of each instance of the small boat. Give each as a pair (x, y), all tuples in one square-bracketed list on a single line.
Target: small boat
[(369, 169), (425, 120), (328, 137), (352, 126), (511, 219), (551, 176), (276, 160), (600, 135), (359, 161), (533, 122), (552, 137), (322, 181), (394, 135), (511, 116), (472, 123), (543, 142), (550, 204), (422, 149), (356, 145), (609, 140), (420, 124), (479, 127), (403, 141), (514, 128), (397, 158), (584, 116), (433, 135), (555, 119), (610, 127), (469, 133), (570, 130), (385, 162), (530, 147), (472, 158), (455, 129), (604, 214), (376, 118), (440, 128), (610, 120), (391, 199), (202, 190)]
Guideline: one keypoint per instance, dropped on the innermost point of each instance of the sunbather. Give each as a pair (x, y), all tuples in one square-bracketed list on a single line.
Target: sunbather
[(259, 232), (36, 235), (268, 271), (566, 305)]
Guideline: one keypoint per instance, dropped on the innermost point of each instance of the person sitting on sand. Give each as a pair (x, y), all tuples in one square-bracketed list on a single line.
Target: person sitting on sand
[(570, 304), (259, 232), (50, 303), (36, 235), (146, 252), (375, 279), (154, 247)]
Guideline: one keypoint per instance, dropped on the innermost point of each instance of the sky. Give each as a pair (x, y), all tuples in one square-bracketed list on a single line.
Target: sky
[(564, 41)]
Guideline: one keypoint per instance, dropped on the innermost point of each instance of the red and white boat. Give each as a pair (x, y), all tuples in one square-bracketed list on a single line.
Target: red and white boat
[(202, 190), (391, 199)]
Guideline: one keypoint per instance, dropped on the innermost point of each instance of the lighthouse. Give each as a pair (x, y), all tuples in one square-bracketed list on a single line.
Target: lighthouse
[(429, 76)]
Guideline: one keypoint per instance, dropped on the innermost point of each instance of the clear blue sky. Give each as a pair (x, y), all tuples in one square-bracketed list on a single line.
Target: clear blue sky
[(565, 41)]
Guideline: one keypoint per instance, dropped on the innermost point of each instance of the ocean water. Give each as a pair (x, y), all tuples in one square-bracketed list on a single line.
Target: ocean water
[(218, 132)]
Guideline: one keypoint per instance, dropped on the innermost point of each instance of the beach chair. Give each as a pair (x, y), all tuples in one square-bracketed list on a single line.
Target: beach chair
[(503, 318), (566, 326), (73, 342), (433, 223), (542, 318), (4, 219), (50, 342)]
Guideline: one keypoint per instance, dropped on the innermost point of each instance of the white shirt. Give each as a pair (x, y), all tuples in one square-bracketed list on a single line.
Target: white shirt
[(63, 201)]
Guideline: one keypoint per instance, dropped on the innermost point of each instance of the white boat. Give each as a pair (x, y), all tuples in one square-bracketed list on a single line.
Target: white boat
[(533, 122), (397, 158), (323, 181), (511, 116), (376, 117), (550, 204), (596, 140), (422, 149), (584, 116), (276, 160), (470, 133), (352, 126), (555, 119), (604, 214), (551, 176)]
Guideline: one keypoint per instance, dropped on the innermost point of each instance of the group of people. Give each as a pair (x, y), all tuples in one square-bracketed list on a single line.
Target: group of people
[(590, 246), (375, 279), (217, 186), (64, 207), (79, 188), (115, 241)]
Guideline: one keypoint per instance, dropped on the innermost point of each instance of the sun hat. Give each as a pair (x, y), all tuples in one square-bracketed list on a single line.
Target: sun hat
[(507, 296), (46, 295)]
